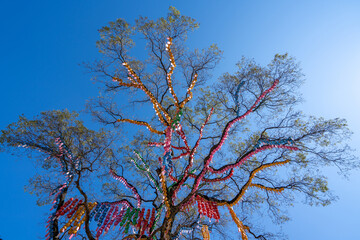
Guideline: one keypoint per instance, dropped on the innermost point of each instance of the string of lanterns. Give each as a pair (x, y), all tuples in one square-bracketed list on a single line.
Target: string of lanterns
[(128, 185), (171, 70), (146, 170)]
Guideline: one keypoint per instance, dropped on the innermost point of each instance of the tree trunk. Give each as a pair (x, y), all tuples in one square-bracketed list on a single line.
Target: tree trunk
[(167, 226)]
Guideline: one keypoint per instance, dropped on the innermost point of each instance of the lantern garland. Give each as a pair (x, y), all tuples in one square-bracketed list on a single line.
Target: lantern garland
[(141, 123), (269, 189), (164, 188), (239, 224), (171, 70), (129, 186), (146, 170), (248, 183), (176, 121), (224, 137), (205, 232)]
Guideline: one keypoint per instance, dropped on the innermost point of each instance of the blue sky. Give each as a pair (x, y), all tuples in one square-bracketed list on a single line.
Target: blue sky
[(43, 43)]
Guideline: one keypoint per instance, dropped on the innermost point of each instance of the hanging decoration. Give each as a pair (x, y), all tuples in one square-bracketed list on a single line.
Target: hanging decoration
[(107, 214), (207, 208)]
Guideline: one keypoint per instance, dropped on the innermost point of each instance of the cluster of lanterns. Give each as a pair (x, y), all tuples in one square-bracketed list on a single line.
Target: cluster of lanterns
[(136, 217), (77, 218), (208, 208), (106, 215)]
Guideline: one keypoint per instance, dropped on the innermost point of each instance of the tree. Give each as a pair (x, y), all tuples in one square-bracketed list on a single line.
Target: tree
[(206, 148)]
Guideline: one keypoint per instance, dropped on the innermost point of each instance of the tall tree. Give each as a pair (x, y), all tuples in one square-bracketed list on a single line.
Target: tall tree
[(224, 150)]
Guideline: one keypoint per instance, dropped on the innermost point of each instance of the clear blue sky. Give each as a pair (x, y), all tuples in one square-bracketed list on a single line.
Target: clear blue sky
[(42, 43)]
